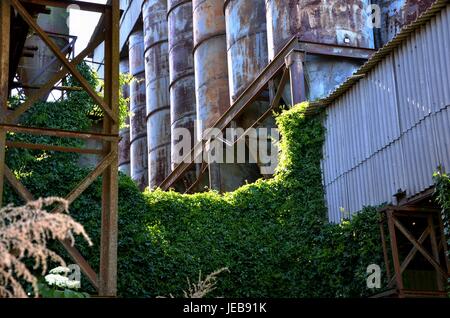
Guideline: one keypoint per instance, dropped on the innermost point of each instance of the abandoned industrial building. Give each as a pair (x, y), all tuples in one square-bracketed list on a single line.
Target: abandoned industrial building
[(375, 72)]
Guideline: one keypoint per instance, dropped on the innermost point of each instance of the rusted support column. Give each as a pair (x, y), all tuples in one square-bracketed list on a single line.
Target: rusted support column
[(110, 191), (5, 13), (294, 62), (394, 248), (124, 133)]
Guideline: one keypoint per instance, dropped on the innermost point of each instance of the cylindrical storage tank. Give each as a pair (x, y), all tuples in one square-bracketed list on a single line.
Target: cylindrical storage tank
[(154, 13), (124, 133), (37, 70), (335, 22), (210, 56), (395, 14), (325, 21), (246, 42), (182, 77), (138, 128)]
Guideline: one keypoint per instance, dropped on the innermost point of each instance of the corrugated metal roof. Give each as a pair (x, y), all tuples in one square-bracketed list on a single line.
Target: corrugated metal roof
[(377, 57)]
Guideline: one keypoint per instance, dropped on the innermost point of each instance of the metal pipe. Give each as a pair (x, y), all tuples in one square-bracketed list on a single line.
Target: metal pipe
[(154, 13), (182, 78), (124, 133), (138, 131)]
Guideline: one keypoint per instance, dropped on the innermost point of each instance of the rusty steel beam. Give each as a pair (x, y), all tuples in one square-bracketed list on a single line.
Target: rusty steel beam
[(59, 132), (85, 6), (294, 62), (55, 49), (5, 11), (87, 181), (24, 145), (335, 50), (71, 250)]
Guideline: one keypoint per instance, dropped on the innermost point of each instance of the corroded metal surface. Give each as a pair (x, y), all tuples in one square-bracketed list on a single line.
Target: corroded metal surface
[(324, 21), (395, 14), (138, 129), (246, 42), (124, 133), (210, 56), (182, 78), (157, 80)]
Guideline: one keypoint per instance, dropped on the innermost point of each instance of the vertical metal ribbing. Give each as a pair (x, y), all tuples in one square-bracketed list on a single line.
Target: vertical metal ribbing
[(124, 133), (138, 131), (154, 13), (182, 78)]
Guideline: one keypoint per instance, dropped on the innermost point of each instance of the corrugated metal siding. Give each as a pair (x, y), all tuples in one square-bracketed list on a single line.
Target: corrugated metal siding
[(391, 130)]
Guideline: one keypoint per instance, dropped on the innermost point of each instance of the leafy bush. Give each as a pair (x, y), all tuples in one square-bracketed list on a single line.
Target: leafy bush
[(273, 235)]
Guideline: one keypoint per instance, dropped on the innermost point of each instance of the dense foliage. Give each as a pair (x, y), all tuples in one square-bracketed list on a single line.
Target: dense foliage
[(273, 235)]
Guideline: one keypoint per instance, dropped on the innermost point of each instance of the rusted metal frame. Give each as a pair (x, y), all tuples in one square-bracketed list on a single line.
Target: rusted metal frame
[(53, 81), (274, 104), (56, 88), (335, 50), (71, 250), (58, 132), (385, 253), (55, 49), (394, 249), (5, 11), (110, 189), (294, 62), (15, 144), (435, 250), (85, 6), (419, 247), (65, 50)]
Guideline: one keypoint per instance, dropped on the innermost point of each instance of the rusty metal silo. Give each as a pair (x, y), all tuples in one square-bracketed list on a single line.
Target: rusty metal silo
[(210, 56), (37, 70), (124, 133), (138, 128), (334, 22), (395, 14), (182, 77), (246, 42), (154, 13)]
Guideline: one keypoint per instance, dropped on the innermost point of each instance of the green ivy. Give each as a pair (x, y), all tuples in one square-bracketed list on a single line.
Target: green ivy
[(273, 235)]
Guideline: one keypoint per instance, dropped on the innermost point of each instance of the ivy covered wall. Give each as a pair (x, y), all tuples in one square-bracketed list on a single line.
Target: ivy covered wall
[(273, 235)]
